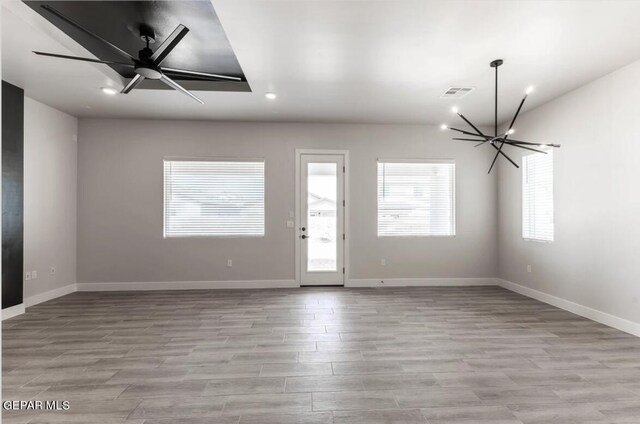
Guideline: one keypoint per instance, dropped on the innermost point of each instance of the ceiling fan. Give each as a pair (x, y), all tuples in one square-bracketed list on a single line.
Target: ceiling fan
[(147, 65), (498, 141)]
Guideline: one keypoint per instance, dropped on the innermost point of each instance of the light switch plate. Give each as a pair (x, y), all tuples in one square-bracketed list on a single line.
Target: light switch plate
[(289, 224)]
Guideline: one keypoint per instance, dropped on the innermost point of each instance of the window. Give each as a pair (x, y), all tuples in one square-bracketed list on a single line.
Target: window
[(537, 196), (213, 198), (416, 198)]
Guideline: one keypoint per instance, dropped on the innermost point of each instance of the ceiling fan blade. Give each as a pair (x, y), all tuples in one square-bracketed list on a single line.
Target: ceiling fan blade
[(169, 44), (84, 59), (205, 75), (86, 31), (171, 83), (132, 84)]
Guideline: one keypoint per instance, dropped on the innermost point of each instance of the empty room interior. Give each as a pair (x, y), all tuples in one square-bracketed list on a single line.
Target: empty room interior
[(320, 212)]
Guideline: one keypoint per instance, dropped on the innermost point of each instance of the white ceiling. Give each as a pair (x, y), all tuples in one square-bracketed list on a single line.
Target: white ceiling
[(352, 61)]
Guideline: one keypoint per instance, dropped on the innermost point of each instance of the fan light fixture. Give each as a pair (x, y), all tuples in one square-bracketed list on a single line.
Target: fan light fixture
[(109, 90), (148, 63), (498, 141)]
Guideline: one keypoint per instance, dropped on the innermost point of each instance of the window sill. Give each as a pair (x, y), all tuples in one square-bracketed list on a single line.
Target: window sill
[(537, 240), (212, 237)]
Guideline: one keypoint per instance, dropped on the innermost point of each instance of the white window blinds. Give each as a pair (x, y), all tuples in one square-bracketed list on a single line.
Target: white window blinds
[(537, 196), (213, 198), (416, 198)]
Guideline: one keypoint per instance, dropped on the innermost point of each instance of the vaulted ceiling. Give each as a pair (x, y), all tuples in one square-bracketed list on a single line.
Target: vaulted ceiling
[(385, 61)]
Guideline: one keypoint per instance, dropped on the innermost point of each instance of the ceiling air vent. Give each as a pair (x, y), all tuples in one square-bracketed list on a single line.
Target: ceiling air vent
[(456, 92)]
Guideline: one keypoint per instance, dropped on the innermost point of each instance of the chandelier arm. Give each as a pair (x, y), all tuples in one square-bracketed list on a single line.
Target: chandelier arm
[(470, 133), (533, 144), (513, 121), (468, 139), (495, 158), (526, 148), (503, 154), (472, 126), (480, 144)]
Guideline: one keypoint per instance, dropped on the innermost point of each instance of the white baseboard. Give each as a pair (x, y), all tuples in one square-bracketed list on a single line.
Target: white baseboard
[(584, 311), (420, 282), (187, 285), (13, 311), (49, 295)]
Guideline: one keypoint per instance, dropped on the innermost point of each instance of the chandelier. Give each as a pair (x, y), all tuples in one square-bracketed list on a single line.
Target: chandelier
[(498, 141)]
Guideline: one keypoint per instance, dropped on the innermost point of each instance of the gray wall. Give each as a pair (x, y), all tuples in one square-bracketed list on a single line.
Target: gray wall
[(50, 193), (594, 260), (120, 202)]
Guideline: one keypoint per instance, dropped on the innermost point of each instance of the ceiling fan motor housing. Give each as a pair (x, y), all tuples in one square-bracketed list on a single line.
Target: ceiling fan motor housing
[(146, 67), (147, 71)]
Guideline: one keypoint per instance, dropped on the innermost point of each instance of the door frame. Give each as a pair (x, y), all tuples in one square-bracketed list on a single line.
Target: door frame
[(298, 205)]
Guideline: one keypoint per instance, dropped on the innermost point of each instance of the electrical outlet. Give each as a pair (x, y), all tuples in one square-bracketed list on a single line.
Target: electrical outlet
[(383, 262), (34, 275), (229, 263), (291, 215), (27, 276), (528, 268), (52, 270)]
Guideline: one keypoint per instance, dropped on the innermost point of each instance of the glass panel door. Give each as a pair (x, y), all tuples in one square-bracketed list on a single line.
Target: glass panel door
[(322, 223)]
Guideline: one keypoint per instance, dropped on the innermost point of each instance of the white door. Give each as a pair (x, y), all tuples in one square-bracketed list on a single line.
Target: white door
[(321, 229)]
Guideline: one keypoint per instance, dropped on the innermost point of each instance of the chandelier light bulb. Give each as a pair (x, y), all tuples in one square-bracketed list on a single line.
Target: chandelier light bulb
[(443, 127), (529, 90), (454, 109), (511, 131)]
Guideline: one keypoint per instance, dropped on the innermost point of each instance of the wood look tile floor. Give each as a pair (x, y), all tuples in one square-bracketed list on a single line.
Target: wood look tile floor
[(318, 355)]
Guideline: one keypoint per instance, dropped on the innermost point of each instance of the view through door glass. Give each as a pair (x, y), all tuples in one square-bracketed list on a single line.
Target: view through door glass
[(322, 219)]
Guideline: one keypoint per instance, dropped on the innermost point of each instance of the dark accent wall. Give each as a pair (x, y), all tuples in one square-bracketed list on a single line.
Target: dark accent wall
[(12, 193)]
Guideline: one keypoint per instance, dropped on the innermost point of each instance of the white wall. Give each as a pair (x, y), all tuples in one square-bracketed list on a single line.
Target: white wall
[(595, 258), (120, 204), (50, 197)]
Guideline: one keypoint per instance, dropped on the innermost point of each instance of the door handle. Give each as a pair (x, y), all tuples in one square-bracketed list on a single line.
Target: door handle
[(303, 236)]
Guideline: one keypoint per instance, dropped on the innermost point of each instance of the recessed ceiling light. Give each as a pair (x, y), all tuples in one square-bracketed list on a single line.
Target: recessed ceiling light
[(271, 96), (443, 127), (109, 90), (454, 109)]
